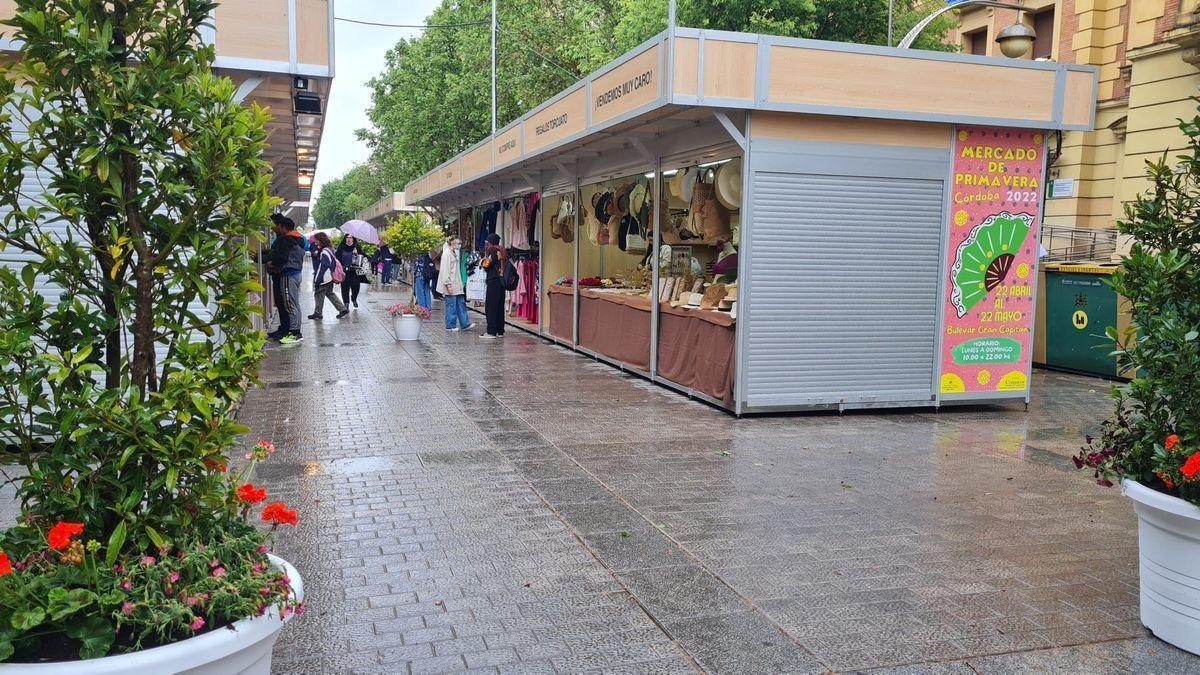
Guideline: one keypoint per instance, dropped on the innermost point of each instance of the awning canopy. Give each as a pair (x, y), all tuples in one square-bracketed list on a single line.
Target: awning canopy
[(687, 89)]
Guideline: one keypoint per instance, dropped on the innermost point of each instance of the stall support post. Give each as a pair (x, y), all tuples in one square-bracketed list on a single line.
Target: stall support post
[(493, 67), (655, 228), (745, 232), (575, 270)]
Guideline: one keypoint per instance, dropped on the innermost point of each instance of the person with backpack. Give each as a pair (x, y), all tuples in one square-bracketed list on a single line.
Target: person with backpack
[(329, 274), (495, 260), (285, 263)]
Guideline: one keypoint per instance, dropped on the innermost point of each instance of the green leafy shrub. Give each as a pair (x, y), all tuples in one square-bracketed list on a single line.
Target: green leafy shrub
[(118, 393), (1154, 436), (411, 235)]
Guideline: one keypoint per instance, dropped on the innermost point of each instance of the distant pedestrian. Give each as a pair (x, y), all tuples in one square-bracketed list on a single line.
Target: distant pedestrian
[(436, 257), (323, 281), (387, 260), (348, 253), (452, 281), (314, 252), (424, 275), (285, 264), (494, 259)]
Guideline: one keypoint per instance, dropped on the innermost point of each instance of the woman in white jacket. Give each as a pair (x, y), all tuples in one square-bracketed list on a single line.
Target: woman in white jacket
[(452, 283)]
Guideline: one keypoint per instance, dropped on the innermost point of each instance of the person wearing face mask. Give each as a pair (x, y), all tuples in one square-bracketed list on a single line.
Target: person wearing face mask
[(452, 282)]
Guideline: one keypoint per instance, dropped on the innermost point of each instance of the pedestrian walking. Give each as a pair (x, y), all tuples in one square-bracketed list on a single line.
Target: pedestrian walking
[(452, 281), (349, 253), (314, 253), (323, 282), (285, 263), (494, 259), (424, 275), (436, 257)]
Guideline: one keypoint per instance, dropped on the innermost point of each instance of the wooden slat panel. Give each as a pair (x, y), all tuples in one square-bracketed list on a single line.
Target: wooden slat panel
[(729, 69), (797, 127), (312, 30), (1079, 97), (818, 77), (253, 29), (686, 57)]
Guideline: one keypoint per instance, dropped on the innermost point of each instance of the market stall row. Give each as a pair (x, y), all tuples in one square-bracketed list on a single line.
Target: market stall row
[(712, 213)]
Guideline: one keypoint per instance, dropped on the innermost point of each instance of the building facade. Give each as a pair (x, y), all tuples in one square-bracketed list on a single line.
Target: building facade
[(1148, 55), (280, 54)]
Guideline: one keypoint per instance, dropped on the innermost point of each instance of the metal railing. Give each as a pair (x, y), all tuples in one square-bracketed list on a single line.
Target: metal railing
[(1066, 244)]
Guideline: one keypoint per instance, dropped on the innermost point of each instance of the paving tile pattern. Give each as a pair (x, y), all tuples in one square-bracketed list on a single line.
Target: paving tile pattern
[(510, 507)]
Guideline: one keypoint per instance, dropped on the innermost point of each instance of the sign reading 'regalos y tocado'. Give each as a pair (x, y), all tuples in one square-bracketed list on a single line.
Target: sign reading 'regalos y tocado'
[(995, 202), (626, 87)]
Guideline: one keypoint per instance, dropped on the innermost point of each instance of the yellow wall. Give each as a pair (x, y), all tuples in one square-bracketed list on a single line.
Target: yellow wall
[(1144, 88)]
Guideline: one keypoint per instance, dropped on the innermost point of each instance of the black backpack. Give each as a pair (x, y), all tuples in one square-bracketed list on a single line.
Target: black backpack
[(511, 278)]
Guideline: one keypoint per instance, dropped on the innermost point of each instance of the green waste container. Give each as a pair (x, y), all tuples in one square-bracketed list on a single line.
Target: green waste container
[(1080, 307)]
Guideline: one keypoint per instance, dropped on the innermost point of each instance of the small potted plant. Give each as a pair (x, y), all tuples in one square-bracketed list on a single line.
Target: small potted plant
[(406, 320), (1151, 445)]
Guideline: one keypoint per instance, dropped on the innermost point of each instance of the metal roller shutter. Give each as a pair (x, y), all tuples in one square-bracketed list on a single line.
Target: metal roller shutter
[(844, 287)]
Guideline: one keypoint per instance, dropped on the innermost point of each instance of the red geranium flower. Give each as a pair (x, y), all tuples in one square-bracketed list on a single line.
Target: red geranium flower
[(60, 535), (1192, 466), (1171, 441), (5, 564), (278, 513), (215, 465), (250, 494)]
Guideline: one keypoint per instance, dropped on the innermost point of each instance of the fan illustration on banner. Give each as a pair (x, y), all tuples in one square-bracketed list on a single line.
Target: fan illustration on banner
[(985, 258)]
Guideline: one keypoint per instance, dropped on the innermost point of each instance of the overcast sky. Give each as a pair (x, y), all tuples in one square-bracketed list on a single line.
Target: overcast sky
[(359, 52)]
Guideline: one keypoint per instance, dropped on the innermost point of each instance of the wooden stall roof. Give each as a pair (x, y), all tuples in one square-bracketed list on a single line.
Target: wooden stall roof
[(684, 69)]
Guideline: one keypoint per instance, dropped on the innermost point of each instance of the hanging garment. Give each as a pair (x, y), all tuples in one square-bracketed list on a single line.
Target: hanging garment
[(518, 232)]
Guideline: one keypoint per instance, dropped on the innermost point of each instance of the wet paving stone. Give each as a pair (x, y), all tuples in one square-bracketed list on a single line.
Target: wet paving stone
[(511, 507)]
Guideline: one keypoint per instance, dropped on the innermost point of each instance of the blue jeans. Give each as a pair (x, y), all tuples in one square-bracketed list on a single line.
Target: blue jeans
[(456, 311), (387, 271), (422, 288)]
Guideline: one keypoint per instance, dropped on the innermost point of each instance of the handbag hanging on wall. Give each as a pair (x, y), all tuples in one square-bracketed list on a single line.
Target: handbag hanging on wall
[(707, 218)]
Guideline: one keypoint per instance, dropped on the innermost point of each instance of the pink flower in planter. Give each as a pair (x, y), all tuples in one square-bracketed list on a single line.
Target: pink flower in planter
[(263, 549), (127, 608), (173, 577), (198, 623), (125, 585), (218, 571), (147, 560)]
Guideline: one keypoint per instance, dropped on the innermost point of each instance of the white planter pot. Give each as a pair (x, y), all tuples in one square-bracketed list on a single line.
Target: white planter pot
[(1169, 570), (406, 327), (242, 649)]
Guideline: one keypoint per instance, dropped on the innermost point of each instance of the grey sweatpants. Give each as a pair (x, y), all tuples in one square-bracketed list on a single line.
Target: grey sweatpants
[(291, 294)]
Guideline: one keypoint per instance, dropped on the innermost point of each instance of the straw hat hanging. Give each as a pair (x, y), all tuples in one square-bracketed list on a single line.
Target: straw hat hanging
[(729, 184)]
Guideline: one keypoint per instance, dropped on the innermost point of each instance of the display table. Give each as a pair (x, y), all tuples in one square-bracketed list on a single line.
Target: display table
[(695, 346)]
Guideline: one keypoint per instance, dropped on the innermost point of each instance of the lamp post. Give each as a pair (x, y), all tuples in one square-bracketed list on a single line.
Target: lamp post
[(1014, 40)]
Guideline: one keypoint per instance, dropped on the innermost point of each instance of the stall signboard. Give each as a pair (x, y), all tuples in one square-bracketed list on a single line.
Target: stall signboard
[(626, 87), (563, 118), (991, 258), (508, 145)]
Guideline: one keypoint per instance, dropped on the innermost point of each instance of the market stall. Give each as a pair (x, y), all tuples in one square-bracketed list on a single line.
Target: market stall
[(724, 214)]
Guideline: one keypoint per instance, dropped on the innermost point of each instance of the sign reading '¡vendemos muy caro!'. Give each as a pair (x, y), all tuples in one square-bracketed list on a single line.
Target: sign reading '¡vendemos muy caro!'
[(995, 202)]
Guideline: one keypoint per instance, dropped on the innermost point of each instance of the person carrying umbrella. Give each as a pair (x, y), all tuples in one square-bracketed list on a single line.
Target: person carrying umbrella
[(347, 254)]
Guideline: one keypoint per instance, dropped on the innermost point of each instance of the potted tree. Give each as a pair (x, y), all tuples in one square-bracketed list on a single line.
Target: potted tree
[(1151, 445), (137, 543), (406, 320), (410, 235)]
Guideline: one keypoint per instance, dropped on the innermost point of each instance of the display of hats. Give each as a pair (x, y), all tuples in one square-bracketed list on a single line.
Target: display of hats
[(681, 184), (621, 200), (601, 203), (637, 197), (728, 183)]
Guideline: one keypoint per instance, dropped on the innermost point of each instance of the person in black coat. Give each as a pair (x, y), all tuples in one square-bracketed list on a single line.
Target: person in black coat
[(346, 252)]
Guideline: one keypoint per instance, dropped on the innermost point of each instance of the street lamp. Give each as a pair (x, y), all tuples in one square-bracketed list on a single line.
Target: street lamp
[(1014, 40)]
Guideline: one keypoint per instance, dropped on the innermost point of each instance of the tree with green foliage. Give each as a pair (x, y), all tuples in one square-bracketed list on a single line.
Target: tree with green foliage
[(433, 99), (341, 198), (410, 235), (117, 392)]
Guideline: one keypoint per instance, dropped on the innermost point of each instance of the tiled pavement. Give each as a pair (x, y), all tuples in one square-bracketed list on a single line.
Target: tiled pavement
[(508, 506)]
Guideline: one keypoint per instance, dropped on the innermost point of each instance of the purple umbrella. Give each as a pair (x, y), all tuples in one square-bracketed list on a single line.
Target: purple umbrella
[(361, 229)]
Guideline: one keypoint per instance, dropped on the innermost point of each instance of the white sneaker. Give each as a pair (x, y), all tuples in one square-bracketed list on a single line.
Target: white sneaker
[(454, 330), (489, 336), (469, 326)]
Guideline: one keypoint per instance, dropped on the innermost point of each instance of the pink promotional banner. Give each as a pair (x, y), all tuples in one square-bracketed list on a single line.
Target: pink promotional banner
[(995, 201)]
